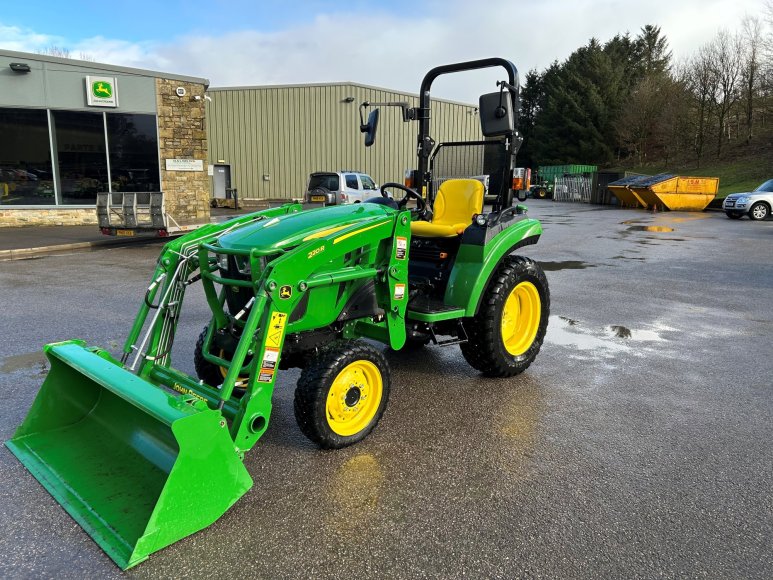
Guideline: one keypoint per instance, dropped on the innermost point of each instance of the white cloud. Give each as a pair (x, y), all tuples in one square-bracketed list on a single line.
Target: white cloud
[(25, 39), (382, 48)]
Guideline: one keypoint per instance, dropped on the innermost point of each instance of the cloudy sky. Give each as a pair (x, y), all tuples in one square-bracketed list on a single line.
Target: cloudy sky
[(387, 43)]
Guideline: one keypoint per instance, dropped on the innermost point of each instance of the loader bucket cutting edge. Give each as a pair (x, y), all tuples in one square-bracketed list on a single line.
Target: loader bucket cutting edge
[(136, 467)]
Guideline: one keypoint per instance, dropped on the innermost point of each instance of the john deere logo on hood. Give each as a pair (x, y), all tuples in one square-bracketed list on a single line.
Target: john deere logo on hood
[(102, 89)]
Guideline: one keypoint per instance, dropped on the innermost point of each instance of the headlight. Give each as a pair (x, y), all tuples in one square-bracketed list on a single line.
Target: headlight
[(222, 261), (742, 199)]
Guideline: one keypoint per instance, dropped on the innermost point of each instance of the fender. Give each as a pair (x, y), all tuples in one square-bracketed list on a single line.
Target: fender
[(476, 262)]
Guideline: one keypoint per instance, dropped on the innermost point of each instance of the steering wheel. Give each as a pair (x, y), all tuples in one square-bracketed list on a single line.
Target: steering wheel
[(421, 205)]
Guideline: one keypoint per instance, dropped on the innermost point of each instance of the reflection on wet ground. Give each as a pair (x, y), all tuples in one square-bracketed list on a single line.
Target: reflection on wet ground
[(650, 229), (24, 361), (566, 265), (354, 491), (565, 331)]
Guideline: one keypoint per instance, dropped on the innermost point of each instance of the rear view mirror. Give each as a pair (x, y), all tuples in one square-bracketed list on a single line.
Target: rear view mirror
[(370, 127), (496, 114)]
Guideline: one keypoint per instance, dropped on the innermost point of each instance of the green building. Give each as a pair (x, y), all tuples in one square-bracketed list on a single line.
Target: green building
[(270, 138)]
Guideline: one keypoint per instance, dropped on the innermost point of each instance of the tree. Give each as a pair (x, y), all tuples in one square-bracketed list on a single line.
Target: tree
[(701, 83), (531, 100), (651, 51), (726, 62), (750, 74)]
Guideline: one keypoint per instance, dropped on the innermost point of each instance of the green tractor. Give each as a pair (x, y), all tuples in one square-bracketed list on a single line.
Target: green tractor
[(141, 454)]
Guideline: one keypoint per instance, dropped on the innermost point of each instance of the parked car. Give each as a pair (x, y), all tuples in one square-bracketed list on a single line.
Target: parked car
[(340, 187), (756, 204)]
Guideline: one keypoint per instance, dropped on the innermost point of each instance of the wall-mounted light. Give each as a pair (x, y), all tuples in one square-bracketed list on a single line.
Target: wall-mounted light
[(348, 100), (20, 67)]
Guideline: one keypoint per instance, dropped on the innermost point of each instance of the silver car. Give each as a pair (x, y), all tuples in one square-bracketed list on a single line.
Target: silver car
[(340, 187), (756, 204)]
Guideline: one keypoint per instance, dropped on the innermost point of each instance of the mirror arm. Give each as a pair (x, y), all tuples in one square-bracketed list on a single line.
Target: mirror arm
[(409, 113)]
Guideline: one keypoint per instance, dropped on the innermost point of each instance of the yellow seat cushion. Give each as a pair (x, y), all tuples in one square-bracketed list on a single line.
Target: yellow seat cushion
[(456, 202), (432, 230)]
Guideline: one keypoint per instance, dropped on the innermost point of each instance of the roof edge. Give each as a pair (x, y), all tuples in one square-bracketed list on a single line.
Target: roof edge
[(332, 84), (102, 66)]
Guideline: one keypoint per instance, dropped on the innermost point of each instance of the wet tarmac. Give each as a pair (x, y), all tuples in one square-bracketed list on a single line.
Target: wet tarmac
[(637, 445)]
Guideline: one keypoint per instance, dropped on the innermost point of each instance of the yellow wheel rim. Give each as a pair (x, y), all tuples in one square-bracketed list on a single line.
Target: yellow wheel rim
[(354, 398), (224, 370), (520, 318)]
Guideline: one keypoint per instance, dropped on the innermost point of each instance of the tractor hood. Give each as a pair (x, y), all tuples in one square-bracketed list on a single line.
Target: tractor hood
[(290, 230)]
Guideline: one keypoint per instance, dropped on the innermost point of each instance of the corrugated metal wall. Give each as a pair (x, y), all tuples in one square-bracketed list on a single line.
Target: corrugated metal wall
[(286, 133)]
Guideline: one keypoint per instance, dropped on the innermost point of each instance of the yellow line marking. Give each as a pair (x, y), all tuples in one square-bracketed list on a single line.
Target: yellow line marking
[(323, 233), (350, 234)]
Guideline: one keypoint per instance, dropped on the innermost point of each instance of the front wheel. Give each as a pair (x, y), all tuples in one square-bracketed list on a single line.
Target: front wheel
[(542, 193), (759, 211), (342, 394), (507, 332)]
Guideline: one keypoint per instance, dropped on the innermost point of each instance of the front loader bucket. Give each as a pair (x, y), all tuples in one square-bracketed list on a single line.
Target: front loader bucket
[(136, 467)]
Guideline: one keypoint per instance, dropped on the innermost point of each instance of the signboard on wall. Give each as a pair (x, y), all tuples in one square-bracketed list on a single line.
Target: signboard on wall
[(101, 91), (184, 165)]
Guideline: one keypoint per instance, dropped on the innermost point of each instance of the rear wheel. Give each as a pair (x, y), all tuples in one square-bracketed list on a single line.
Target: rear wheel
[(733, 215), (342, 394), (759, 211), (507, 333)]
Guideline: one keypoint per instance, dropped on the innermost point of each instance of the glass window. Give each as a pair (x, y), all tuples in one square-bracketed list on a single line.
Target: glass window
[(351, 182), (26, 177), (326, 180), (80, 149), (367, 182), (133, 147)]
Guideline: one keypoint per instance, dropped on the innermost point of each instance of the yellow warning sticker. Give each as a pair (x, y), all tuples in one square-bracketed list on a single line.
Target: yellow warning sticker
[(276, 329)]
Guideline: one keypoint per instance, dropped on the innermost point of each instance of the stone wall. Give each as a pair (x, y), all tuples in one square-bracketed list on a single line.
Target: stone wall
[(182, 135), (47, 217)]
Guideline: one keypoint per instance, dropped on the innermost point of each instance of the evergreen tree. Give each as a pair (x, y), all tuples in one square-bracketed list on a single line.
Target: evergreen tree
[(651, 51)]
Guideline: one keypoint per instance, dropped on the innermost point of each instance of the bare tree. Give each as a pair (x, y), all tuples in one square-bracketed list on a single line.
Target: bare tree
[(752, 49), (725, 53), (58, 51), (62, 52), (701, 82)]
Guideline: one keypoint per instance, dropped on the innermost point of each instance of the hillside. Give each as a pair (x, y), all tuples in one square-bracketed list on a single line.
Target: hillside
[(742, 168)]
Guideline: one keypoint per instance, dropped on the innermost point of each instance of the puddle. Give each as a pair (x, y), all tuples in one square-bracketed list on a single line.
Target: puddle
[(606, 341), (567, 265), (650, 229), (626, 333), (627, 258), (567, 332), (24, 361)]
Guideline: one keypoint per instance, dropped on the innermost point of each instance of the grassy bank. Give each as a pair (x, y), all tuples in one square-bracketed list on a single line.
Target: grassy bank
[(745, 169)]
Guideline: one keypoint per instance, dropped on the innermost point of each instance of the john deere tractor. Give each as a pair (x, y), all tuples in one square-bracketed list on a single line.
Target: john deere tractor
[(141, 454)]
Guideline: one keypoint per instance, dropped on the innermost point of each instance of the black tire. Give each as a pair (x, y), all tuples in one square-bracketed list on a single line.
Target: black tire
[(759, 211), (209, 372), (733, 215), (314, 413), (206, 371), (541, 193), (486, 350)]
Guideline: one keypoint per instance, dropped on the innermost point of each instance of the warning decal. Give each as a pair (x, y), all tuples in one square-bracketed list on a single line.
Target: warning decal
[(276, 330), (402, 248), (270, 356), (266, 376), (399, 291)]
